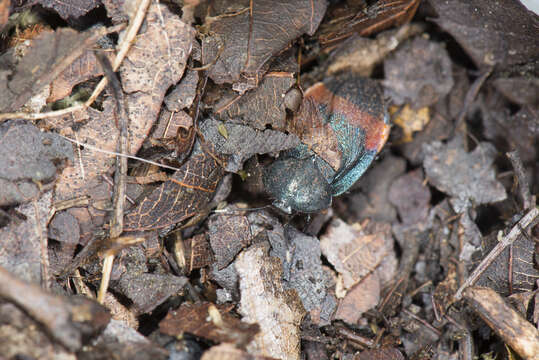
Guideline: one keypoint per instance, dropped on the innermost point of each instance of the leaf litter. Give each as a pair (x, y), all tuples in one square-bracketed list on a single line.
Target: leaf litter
[(443, 226)]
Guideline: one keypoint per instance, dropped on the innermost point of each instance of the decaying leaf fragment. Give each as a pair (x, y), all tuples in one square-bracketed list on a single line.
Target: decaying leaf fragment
[(465, 176), (149, 290), (20, 250), (228, 235), (265, 301), (49, 54), (244, 42), (419, 73), (155, 62), (185, 194), (411, 197), (71, 8), (518, 261), (243, 141), (364, 258), (28, 157), (83, 68), (262, 106), (198, 253), (487, 30), (356, 251), (209, 321)]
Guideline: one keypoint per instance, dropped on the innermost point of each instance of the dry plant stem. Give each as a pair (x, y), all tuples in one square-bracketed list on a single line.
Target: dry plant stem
[(466, 346), (516, 331), (66, 204), (116, 223), (522, 179), (510, 270), (44, 245), (49, 310), (80, 201), (423, 322), (107, 269), (470, 96), (504, 241), (129, 38), (84, 256), (357, 338), (109, 181)]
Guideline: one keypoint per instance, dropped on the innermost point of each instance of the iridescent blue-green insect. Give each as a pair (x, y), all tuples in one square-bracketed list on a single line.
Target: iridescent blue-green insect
[(343, 124)]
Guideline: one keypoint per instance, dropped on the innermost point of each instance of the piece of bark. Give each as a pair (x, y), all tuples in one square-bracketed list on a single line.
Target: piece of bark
[(518, 333), (264, 300), (70, 321)]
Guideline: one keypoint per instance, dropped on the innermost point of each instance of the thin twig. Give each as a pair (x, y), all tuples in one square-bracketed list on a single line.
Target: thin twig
[(122, 123), (504, 241), (423, 322), (79, 154), (109, 181), (91, 147), (105, 280), (350, 335), (470, 96), (510, 270), (522, 179), (44, 245), (390, 293), (124, 47)]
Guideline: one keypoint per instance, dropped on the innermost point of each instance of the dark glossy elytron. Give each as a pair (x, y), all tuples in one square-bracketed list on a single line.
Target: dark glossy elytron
[(354, 109)]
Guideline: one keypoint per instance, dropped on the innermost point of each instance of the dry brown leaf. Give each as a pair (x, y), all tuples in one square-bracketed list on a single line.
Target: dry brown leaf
[(356, 19), (356, 250), (208, 321), (360, 298), (155, 62), (229, 234), (262, 106), (244, 43), (49, 54), (83, 68), (198, 253), (186, 193), (70, 9)]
